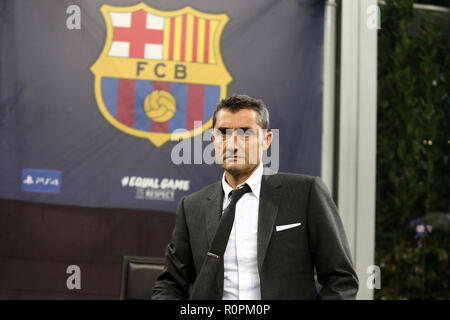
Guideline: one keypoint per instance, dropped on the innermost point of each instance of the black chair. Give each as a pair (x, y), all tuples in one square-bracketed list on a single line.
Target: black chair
[(139, 276)]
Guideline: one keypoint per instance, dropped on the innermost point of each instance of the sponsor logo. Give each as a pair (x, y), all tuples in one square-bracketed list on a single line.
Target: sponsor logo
[(154, 188), (38, 180)]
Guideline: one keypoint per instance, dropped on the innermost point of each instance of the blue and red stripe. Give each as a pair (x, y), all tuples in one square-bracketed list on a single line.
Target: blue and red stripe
[(124, 100), (141, 121)]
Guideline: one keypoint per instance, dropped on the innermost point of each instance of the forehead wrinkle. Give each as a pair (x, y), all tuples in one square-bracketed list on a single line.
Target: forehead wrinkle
[(235, 120)]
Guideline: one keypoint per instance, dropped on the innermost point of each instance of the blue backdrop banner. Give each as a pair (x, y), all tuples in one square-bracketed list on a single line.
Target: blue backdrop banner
[(108, 103)]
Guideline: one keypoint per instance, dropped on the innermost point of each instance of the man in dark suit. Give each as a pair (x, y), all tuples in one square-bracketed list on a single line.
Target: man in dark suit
[(255, 234)]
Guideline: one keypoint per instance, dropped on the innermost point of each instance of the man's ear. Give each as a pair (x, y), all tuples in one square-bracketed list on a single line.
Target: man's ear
[(268, 135)]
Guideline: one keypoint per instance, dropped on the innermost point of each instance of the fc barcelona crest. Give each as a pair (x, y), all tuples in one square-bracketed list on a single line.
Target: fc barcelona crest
[(160, 71)]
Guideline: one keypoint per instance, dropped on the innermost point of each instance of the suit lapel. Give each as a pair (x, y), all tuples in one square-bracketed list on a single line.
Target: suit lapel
[(269, 200), (270, 196), (212, 211)]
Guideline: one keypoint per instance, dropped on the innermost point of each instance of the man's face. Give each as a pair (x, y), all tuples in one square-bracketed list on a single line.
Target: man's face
[(239, 141)]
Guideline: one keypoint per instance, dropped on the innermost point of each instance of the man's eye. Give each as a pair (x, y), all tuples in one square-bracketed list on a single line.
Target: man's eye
[(225, 132), (250, 132), (228, 133)]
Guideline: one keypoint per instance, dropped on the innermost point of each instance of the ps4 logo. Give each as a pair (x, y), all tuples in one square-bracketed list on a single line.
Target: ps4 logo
[(39, 180)]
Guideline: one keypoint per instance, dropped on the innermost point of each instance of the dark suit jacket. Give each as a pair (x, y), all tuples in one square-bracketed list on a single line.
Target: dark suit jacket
[(286, 259)]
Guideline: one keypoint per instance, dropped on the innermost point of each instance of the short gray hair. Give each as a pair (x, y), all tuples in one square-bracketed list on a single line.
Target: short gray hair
[(238, 102)]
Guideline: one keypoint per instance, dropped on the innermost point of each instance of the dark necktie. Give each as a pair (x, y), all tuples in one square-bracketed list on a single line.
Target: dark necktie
[(209, 282), (219, 243)]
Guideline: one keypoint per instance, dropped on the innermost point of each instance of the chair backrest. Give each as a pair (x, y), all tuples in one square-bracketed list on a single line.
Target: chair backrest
[(139, 276)]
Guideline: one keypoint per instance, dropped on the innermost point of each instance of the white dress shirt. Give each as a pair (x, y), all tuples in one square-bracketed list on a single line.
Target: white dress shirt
[(241, 276)]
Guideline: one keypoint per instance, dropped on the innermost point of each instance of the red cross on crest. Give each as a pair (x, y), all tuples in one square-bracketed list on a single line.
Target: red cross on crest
[(138, 35)]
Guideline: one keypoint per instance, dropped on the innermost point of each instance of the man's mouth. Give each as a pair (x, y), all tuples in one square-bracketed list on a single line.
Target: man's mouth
[(232, 157)]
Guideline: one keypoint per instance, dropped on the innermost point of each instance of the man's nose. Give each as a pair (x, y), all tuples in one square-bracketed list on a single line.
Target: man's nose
[(232, 142)]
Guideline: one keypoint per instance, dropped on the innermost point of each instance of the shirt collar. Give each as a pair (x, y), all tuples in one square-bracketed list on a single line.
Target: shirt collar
[(254, 181)]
